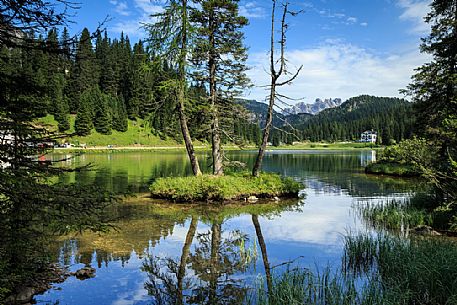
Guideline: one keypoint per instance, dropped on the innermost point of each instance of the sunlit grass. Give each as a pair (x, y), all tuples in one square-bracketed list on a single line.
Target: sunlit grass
[(381, 270), (228, 187), (394, 215)]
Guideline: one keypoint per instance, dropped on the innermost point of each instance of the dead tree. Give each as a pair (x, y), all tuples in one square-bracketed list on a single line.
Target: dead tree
[(275, 74)]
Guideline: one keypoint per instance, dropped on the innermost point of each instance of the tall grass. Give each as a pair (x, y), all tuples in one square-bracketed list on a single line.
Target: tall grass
[(301, 286), (392, 169), (412, 271), (382, 269), (394, 215)]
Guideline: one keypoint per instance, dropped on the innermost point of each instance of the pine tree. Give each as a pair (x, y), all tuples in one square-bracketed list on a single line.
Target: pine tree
[(435, 95), (84, 72), (119, 114), (85, 114), (141, 83), (171, 36), (101, 110), (59, 102), (219, 57)]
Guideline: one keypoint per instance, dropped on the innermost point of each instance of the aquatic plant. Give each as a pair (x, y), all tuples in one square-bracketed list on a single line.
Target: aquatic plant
[(382, 269), (394, 215), (302, 286)]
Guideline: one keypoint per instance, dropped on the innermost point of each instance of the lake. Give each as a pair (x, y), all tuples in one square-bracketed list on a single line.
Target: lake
[(162, 254)]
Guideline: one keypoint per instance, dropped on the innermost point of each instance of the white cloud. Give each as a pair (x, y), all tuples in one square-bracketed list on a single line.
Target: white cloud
[(351, 20), (340, 69), (149, 7), (364, 24), (252, 9), (144, 9), (121, 7), (415, 11), (130, 27)]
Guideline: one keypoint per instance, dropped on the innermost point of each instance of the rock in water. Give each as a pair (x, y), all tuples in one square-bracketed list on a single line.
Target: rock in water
[(424, 230), (85, 273), (24, 295)]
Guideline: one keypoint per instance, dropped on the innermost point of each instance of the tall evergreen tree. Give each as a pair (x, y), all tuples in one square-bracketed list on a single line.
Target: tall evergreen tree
[(141, 83), (170, 35), (85, 114), (84, 73), (219, 57), (120, 118), (102, 111), (434, 92)]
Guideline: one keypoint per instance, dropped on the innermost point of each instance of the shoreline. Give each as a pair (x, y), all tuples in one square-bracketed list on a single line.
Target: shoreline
[(313, 146)]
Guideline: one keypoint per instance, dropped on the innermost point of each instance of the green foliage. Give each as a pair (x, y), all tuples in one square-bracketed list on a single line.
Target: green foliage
[(435, 98), (392, 118), (120, 119), (381, 270), (229, 187), (415, 271), (395, 215), (102, 111), (32, 81), (415, 152), (411, 157), (392, 169), (85, 115), (84, 73)]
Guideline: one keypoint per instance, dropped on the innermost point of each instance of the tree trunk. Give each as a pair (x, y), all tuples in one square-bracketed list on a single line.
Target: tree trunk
[(215, 128), (266, 132), (263, 249), (184, 256), (214, 267), (187, 139), (181, 95)]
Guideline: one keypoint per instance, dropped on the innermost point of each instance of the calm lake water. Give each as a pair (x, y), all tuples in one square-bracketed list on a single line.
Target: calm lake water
[(214, 256)]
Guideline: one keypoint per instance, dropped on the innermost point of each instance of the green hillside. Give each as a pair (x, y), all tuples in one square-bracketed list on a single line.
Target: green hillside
[(138, 133)]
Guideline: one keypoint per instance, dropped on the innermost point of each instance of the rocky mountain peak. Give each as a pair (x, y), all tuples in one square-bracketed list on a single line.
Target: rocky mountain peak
[(313, 108)]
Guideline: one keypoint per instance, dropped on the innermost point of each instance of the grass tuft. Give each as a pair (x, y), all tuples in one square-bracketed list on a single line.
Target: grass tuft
[(395, 215), (412, 271), (392, 169), (232, 186)]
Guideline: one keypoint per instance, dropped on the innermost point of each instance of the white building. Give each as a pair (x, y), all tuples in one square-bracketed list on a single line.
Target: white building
[(368, 136)]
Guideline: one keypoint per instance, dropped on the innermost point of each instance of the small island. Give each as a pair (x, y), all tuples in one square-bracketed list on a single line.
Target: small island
[(227, 188)]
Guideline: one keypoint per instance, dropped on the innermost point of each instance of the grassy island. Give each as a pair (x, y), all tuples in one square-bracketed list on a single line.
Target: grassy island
[(233, 186), (392, 169)]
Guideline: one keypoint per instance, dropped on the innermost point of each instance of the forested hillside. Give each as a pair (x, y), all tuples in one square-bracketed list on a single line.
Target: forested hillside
[(106, 82), (392, 118)]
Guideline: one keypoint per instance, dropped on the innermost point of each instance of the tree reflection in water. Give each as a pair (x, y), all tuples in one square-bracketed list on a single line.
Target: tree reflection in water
[(204, 276)]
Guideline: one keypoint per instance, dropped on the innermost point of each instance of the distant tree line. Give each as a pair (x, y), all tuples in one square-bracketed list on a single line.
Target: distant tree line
[(391, 118), (104, 82)]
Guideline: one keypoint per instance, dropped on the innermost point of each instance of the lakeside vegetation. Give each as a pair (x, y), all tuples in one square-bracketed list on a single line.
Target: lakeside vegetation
[(391, 169), (232, 186), (375, 270), (181, 87)]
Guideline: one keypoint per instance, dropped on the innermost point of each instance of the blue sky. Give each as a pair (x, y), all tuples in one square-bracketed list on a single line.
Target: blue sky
[(346, 47)]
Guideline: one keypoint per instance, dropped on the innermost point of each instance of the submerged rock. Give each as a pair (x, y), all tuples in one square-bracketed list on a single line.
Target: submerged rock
[(84, 273), (424, 230), (25, 295), (38, 284)]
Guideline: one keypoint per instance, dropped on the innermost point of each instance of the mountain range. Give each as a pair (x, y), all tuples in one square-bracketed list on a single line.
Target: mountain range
[(313, 108), (392, 118)]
